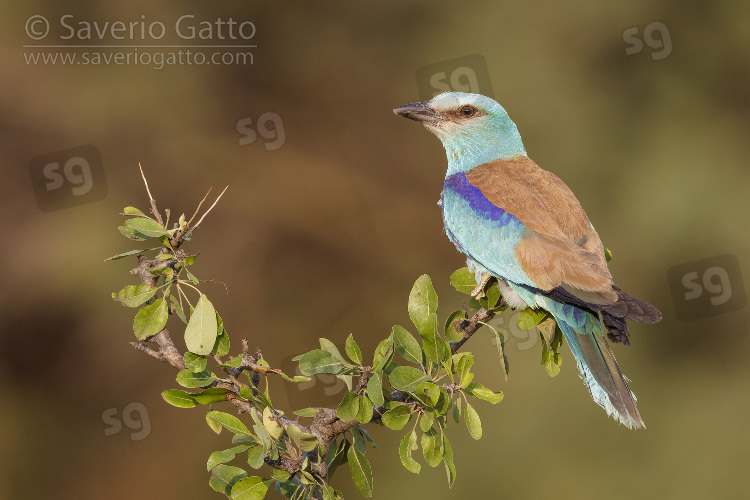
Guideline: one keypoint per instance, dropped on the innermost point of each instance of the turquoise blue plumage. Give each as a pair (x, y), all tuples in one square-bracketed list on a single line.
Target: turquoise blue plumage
[(522, 225)]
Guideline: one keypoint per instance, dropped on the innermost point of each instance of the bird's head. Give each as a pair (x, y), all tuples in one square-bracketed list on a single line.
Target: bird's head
[(473, 128)]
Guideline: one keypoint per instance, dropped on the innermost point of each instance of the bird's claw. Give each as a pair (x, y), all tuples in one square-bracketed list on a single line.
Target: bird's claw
[(479, 289)]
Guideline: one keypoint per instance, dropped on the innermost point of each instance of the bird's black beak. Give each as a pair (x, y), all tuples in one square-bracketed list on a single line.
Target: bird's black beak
[(421, 112)]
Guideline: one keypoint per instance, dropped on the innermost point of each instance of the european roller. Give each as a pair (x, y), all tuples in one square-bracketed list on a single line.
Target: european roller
[(522, 225)]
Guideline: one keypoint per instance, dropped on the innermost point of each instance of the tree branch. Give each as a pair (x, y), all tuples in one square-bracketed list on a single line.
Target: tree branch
[(154, 210), (471, 326)]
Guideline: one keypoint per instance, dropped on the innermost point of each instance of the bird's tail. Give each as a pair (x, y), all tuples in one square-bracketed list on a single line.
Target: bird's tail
[(630, 308), (599, 370)]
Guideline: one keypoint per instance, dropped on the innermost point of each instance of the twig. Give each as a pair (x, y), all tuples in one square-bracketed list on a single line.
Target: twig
[(167, 351), (210, 208), (176, 240), (470, 326), (154, 210)]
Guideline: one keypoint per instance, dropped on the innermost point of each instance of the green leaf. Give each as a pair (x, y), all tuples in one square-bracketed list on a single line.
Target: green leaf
[(134, 295), (194, 362), (192, 277), (166, 271), (406, 378), (164, 240), (361, 471), (132, 211), (224, 456), (432, 449), (383, 354), (367, 436), (130, 252), (463, 280), (255, 455), (435, 350), (189, 379), (224, 477), (430, 390), (291, 489), (337, 457), (306, 478), (457, 410), (251, 488), (529, 318), (491, 296), (329, 493), (213, 425), (329, 346), (349, 407), (551, 360), (481, 392), (245, 439), (202, 329), (364, 414), (423, 303), (307, 412), (607, 254), (146, 227), (279, 475), (464, 369), (270, 422), (180, 399), (131, 234), (221, 346), (450, 469), (406, 345), (375, 388), (409, 444), (359, 439), (451, 332), (353, 350), (557, 337), (229, 422), (302, 440), (444, 403), (426, 420), (397, 417), (234, 362), (320, 361), (150, 319), (472, 422), (211, 395), (500, 344), (297, 379), (177, 308)]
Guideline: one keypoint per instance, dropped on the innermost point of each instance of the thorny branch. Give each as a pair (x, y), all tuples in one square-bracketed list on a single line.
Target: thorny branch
[(326, 426)]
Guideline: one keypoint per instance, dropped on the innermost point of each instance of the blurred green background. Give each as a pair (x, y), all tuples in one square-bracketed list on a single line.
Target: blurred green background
[(325, 234)]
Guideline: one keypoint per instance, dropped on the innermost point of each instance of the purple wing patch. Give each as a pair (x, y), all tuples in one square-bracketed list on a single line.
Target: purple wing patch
[(477, 201)]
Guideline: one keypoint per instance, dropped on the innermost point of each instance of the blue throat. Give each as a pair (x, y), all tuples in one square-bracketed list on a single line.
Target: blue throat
[(467, 149)]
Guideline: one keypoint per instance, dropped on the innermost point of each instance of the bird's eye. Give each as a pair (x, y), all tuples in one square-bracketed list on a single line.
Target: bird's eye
[(468, 111)]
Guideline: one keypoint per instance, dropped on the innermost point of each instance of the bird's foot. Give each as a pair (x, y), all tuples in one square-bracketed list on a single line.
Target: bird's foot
[(479, 289)]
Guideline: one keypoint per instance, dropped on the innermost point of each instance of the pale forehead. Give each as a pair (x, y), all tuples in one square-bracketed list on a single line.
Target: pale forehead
[(453, 100)]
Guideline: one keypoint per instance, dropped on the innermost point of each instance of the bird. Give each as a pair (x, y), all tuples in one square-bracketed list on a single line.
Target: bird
[(523, 225)]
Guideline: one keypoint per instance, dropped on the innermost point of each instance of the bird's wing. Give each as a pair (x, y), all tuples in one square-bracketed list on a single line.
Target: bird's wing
[(553, 242)]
